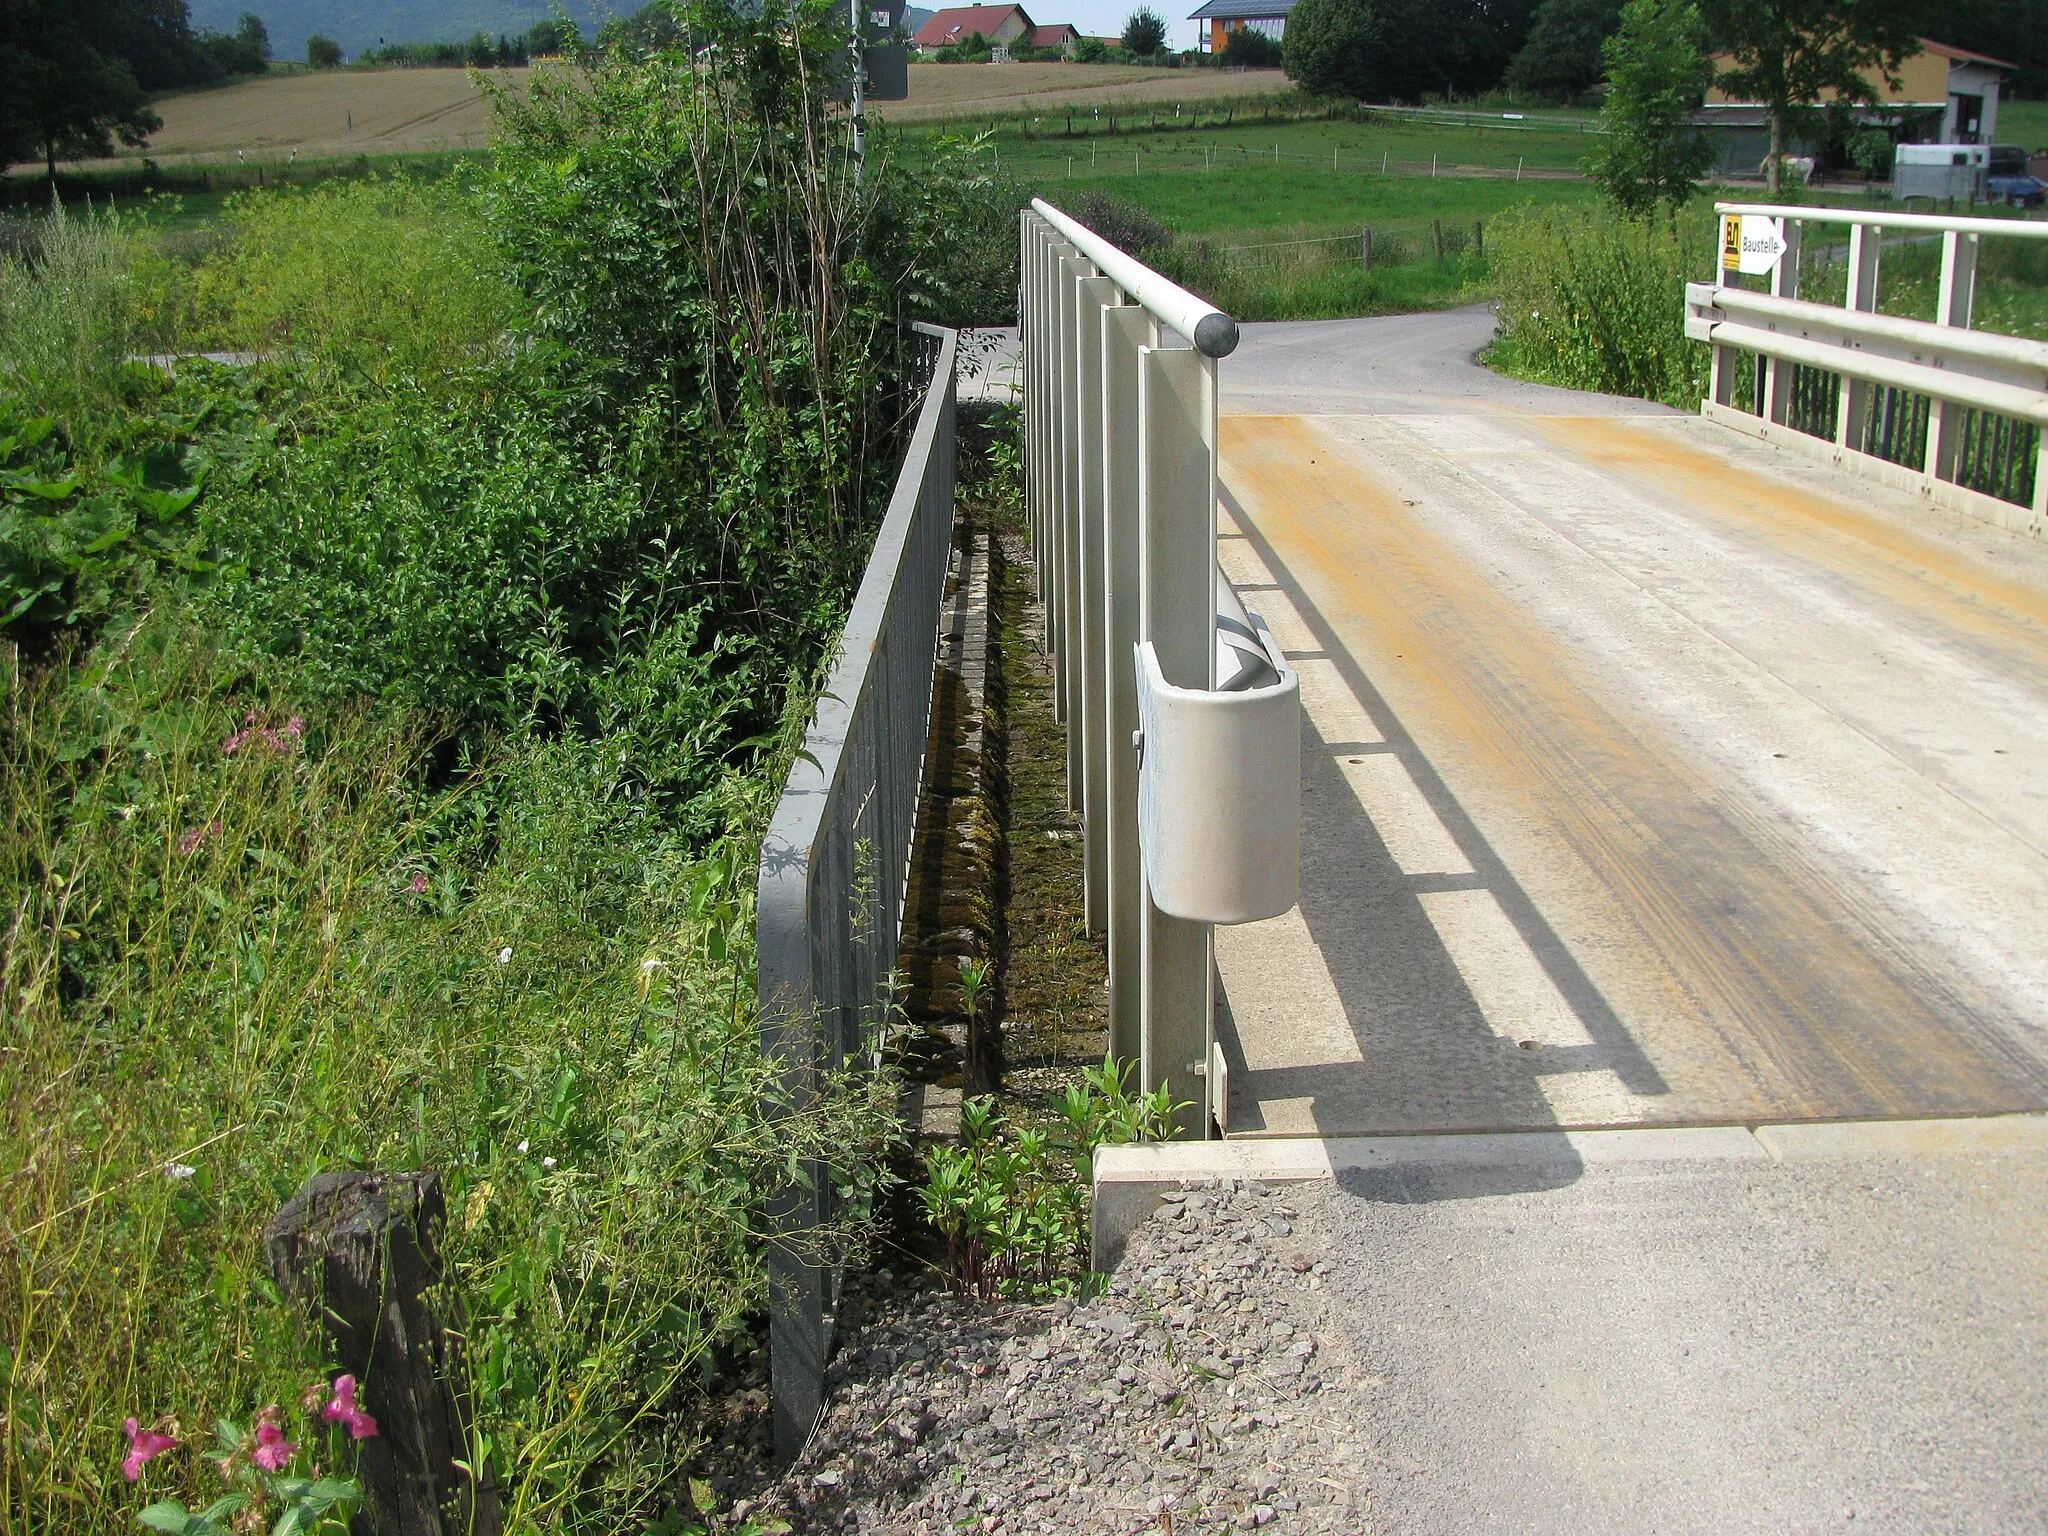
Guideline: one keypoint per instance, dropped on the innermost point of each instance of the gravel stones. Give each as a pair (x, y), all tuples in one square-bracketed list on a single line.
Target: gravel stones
[(1198, 1393)]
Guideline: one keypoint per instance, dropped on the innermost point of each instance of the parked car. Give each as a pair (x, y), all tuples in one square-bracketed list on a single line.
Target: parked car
[(2010, 179)]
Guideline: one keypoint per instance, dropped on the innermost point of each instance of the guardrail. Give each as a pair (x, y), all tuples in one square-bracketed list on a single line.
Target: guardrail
[(1183, 730), (836, 859), (1932, 406)]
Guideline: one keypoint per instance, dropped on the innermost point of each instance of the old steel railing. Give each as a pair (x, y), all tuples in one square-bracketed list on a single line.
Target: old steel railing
[(1952, 412), (836, 858)]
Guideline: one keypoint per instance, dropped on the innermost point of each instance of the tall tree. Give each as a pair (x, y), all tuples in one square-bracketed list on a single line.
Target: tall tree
[(1657, 77), (1562, 56), (1336, 48), (1791, 54), (70, 89), (1144, 33)]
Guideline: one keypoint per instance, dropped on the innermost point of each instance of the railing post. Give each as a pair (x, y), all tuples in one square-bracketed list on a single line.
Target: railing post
[(1070, 270), (1093, 295), (1722, 369), (1056, 479), (1852, 411), (1952, 306), (1777, 400), (1126, 331), (1177, 614)]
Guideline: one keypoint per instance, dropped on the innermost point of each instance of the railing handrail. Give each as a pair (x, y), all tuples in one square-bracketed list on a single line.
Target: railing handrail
[(1946, 341), (1205, 327), (1965, 224)]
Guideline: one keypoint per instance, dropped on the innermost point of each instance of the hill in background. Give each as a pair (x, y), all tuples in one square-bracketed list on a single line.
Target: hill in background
[(361, 24)]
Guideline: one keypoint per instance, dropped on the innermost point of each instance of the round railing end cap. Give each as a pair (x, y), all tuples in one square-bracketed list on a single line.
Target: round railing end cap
[(1215, 334)]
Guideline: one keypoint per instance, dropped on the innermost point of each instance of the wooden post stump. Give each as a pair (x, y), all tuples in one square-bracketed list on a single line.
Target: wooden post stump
[(362, 1252)]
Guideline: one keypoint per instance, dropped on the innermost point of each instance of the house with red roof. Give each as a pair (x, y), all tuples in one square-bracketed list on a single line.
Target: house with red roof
[(1001, 25)]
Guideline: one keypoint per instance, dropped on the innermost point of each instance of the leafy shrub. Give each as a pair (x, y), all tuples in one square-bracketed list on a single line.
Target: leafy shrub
[(1597, 301), (1122, 223)]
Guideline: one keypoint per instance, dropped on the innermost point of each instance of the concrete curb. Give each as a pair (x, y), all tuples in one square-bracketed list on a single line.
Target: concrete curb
[(1130, 1180)]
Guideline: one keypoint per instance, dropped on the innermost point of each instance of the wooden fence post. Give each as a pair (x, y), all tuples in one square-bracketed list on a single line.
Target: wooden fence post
[(1365, 247), (361, 1252), (1436, 239), (1479, 237)]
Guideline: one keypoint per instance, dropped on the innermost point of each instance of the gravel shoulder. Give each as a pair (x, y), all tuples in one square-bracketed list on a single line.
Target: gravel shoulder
[(1204, 1391)]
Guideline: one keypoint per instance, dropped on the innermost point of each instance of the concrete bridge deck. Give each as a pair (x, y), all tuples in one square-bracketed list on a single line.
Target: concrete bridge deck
[(1651, 776)]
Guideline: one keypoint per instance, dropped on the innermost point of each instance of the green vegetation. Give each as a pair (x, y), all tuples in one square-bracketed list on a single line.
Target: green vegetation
[(389, 726), (1657, 78), (1011, 1200), (1596, 302), (1562, 59)]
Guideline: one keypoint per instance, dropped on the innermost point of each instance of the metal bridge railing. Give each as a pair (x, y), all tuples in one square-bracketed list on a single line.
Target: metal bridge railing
[(836, 858), (1934, 405), (1182, 716)]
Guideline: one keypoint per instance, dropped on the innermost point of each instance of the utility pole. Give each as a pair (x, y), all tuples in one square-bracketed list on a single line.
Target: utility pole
[(860, 99)]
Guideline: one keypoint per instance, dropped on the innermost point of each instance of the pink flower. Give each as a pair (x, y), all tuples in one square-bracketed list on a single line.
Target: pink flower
[(195, 838), (343, 1410), (144, 1446), (273, 1452), (419, 888)]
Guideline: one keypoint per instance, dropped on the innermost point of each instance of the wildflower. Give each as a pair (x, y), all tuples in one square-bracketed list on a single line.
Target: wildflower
[(179, 1172), (144, 1446), (522, 1146), (419, 883), (547, 1162), (195, 838), (273, 1451), (505, 955), (343, 1410)]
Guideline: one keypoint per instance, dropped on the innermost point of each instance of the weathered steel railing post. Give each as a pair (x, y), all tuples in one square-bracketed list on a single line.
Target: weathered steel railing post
[(835, 864)]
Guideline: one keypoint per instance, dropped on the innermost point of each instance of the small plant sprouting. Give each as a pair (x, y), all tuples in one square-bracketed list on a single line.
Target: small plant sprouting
[(1012, 1202), (259, 1465)]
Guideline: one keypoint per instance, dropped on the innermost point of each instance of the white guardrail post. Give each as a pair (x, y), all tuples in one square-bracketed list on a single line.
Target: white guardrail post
[(1120, 399), (1985, 396)]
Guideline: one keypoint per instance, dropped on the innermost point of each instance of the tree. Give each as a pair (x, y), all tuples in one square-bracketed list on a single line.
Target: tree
[(323, 52), (1334, 48), (1144, 33), (70, 91), (254, 37), (1789, 54), (1657, 77), (1562, 56), (1248, 49)]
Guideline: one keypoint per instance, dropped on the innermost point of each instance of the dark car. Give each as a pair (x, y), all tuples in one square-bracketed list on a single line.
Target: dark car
[(2009, 180)]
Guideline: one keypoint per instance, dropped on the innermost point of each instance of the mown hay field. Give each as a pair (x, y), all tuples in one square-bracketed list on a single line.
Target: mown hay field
[(410, 111)]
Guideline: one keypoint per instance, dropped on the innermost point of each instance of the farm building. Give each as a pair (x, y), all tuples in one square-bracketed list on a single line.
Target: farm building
[(1945, 95), (1223, 17)]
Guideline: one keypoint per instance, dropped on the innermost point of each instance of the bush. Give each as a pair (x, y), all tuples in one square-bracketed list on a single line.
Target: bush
[(1597, 301), (1121, 222), (1247, 49), (323, 52)]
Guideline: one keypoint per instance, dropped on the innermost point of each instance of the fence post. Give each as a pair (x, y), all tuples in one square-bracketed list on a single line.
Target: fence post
[(1365, 248), (1126, 331), (361, 1253), (1094, 296), (1777, 392), (1177, 614), (1478, 237), (1952, 306), (1436, 239), (1853, 411)]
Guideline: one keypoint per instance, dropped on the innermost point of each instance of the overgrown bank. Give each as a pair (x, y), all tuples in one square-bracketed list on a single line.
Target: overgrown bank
[(389, 728)]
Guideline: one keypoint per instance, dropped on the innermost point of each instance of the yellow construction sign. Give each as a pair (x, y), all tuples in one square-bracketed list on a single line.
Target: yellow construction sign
[(1731, 242)]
